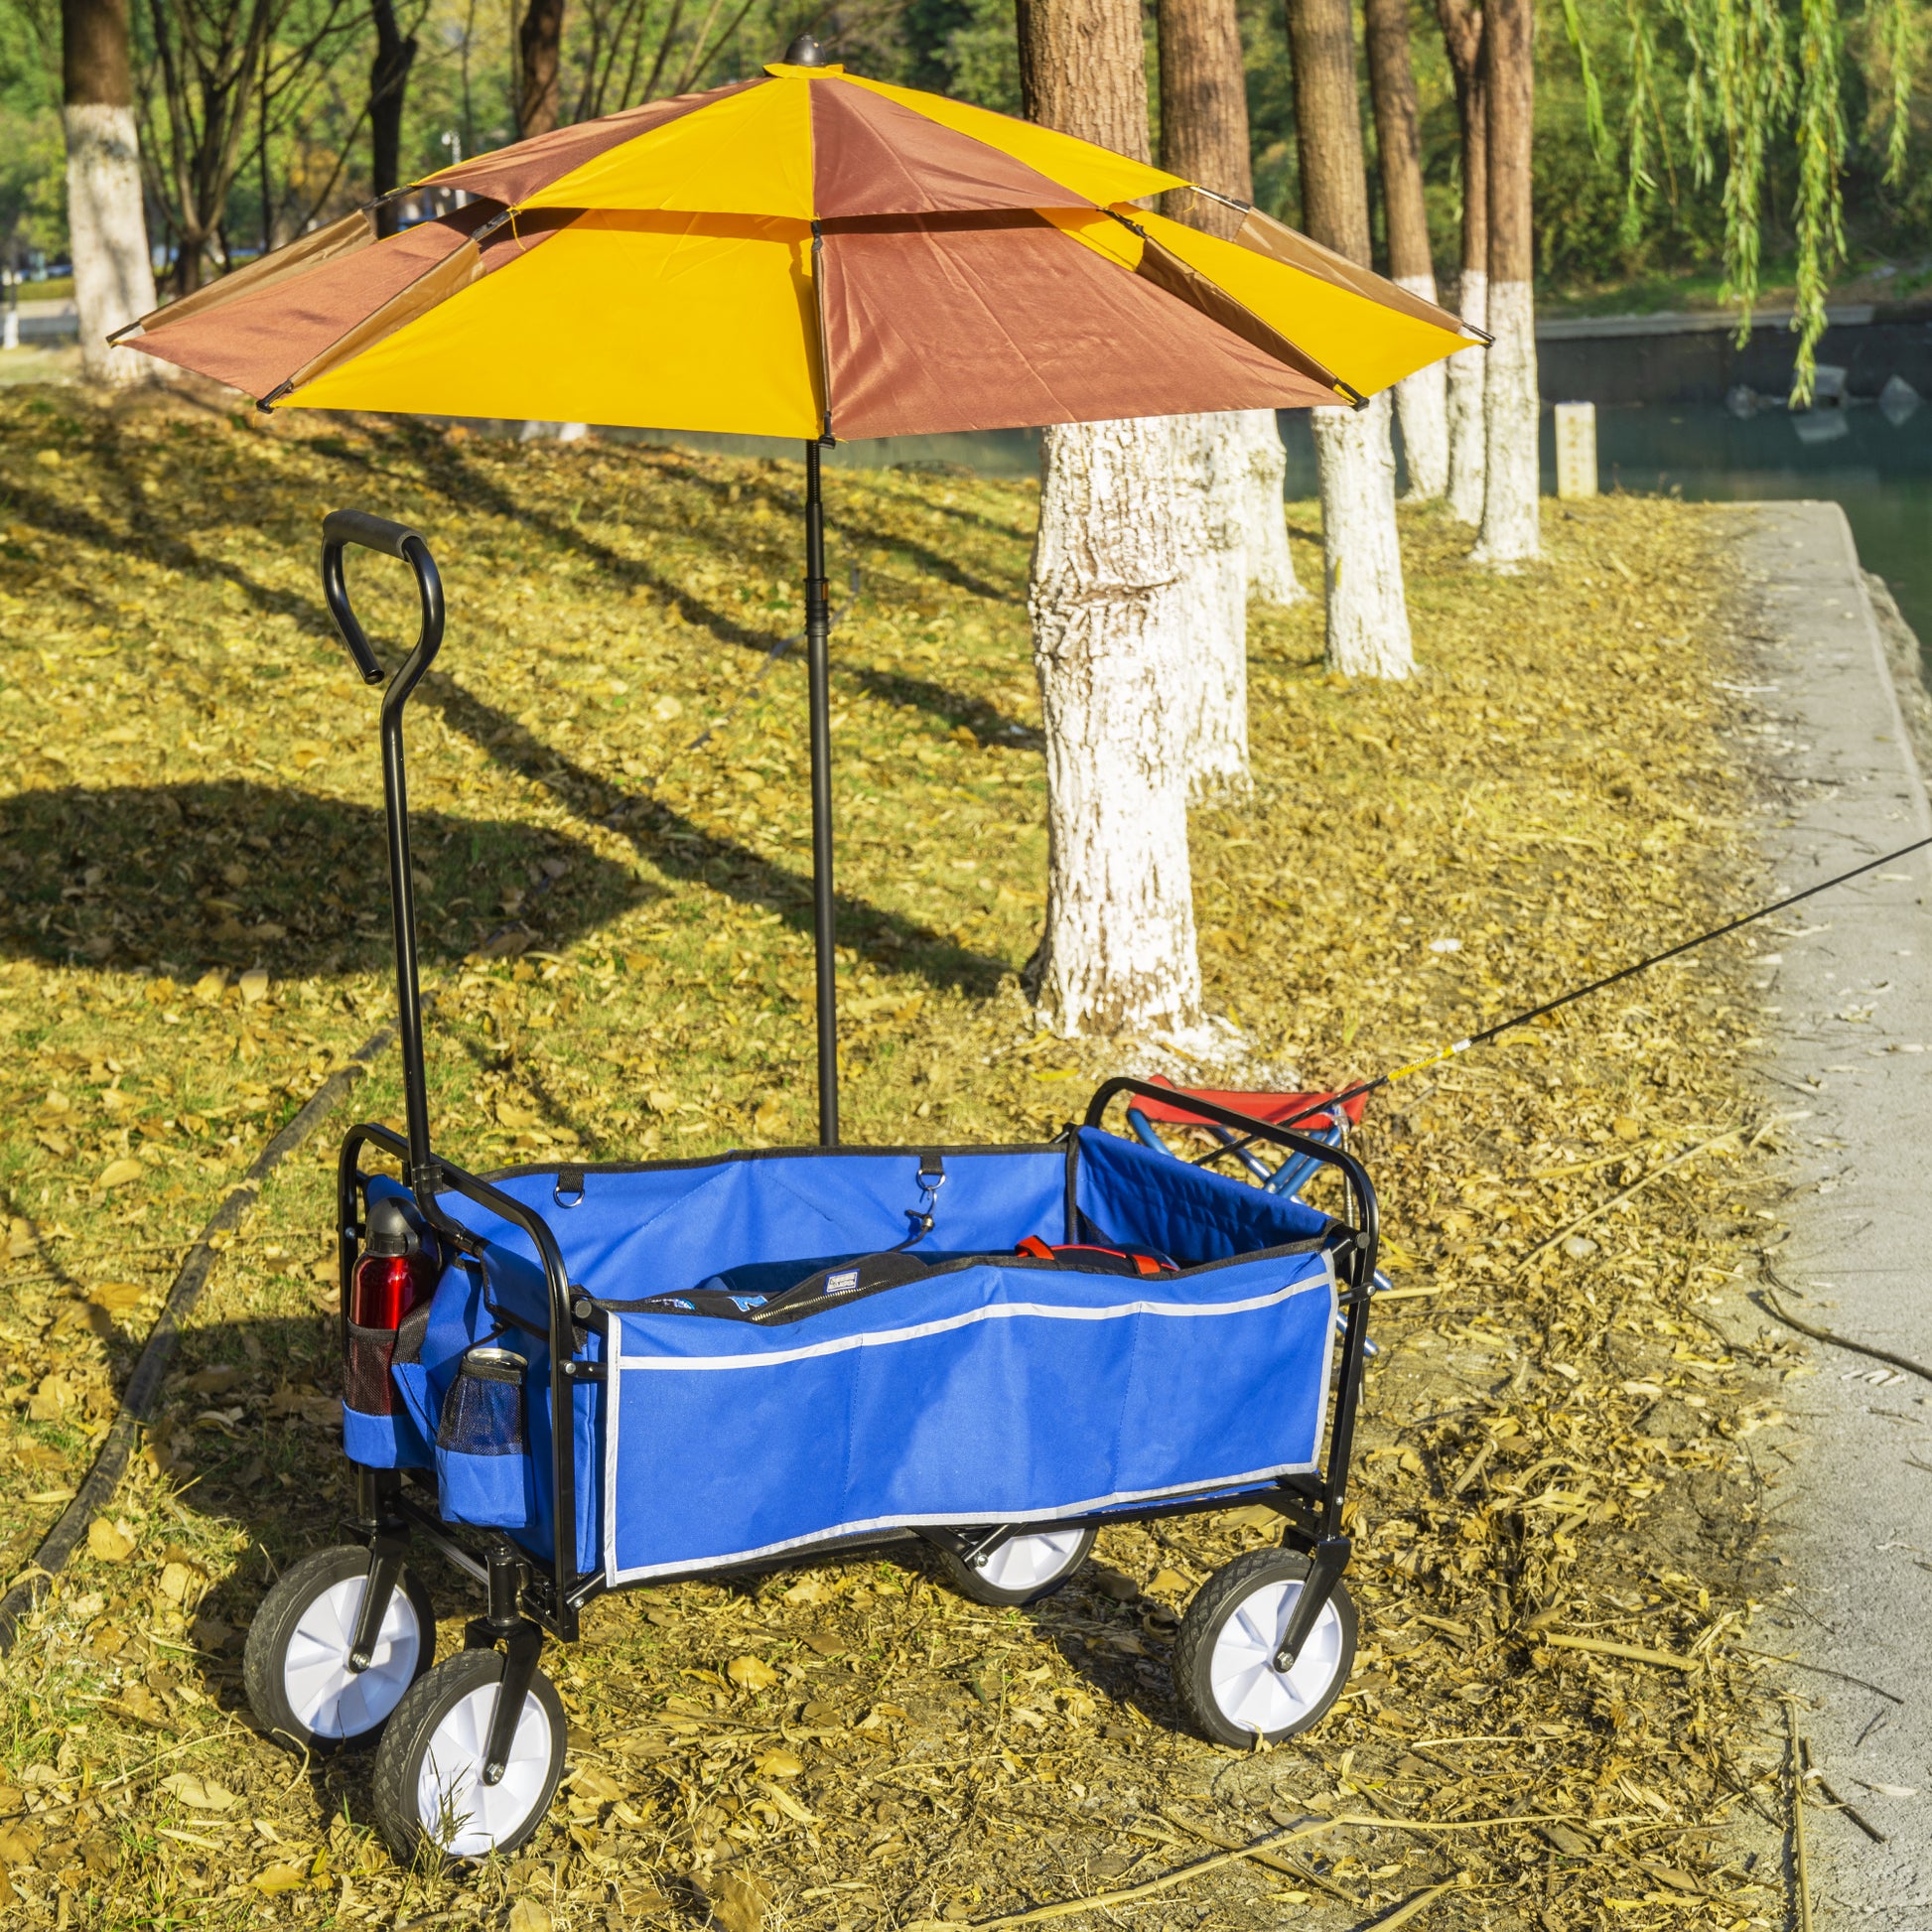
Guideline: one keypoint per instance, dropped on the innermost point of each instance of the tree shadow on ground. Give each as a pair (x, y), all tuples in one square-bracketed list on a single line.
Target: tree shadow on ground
[(235, 873), (987, 721), (684, 851), (108, 922)]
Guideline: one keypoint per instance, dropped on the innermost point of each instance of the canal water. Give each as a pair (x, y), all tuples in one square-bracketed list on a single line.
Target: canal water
[(1879, 466)]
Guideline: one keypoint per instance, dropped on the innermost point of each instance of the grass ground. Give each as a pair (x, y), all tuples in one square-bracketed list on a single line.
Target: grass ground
[(1865, 279), (34, 363), (613, 842)]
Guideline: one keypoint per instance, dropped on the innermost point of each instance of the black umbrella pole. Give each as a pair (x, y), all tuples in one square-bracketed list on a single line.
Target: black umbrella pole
[(817, 659)]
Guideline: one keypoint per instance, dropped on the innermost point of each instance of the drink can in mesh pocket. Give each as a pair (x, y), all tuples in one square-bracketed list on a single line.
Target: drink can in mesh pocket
[(482, 1415)]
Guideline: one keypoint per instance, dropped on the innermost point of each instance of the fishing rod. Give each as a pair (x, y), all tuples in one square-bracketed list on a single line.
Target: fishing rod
[(1334, 1102)]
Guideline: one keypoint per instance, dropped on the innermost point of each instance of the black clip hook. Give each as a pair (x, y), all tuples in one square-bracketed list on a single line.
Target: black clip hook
[(932, 1176)]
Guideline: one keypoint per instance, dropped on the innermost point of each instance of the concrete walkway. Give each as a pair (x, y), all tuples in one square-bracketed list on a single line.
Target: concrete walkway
[(1848, 983)]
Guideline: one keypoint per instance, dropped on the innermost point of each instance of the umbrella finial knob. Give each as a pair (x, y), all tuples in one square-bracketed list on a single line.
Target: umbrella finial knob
[(804, 53)]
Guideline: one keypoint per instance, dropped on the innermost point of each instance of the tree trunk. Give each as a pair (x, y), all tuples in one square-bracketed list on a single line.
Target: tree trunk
[(1422, 399), (539, 44), (388, 81), (1203, 110), (1510, 534), (1205, 137), (1462, 26), (1368, 618), (1215, 583), (1466, 385), (1119, 508), (1355, 462), (1271, 569), (113, 275)]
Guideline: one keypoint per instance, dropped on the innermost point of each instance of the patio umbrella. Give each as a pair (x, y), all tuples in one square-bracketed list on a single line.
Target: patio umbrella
[(813, 255)]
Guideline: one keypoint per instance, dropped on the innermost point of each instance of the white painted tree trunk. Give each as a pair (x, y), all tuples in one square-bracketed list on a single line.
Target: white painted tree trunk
[(113, 276), (1361, 553), (1120, 508), (1271, 569), (1422, 407), (1511, 534), (1465, 372), (1217, 622)]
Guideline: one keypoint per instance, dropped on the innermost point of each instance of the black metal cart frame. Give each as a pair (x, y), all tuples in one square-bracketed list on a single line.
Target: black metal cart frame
[(528, 1598)]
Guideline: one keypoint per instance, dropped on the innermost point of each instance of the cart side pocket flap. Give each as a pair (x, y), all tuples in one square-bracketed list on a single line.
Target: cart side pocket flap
[(485, 1492), (412, 1385)]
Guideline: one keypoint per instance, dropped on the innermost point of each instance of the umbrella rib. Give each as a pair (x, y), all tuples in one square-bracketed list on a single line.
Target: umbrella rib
[(1259, 333), (402, 308), (818, 316)]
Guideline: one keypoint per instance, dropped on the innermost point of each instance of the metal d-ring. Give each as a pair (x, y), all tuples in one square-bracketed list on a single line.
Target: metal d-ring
[(574, 1177)]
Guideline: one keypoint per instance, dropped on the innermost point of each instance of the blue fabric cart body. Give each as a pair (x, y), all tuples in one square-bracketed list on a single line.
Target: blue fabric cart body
[(992, 1388)]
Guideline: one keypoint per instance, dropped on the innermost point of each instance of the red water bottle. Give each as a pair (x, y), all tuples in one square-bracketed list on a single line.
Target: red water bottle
[(397, 1270)]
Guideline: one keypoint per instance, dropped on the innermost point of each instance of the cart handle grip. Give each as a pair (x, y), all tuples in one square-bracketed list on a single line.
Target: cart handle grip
[(341, 528)]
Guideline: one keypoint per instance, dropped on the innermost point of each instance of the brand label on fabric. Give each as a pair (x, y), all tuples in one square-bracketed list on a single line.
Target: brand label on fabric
[(842, 1282)]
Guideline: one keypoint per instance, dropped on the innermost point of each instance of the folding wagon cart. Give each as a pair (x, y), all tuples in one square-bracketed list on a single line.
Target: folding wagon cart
[(575, 1377)]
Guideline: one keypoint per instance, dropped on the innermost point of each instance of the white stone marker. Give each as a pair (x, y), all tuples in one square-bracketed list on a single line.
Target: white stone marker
[(1575, 449)]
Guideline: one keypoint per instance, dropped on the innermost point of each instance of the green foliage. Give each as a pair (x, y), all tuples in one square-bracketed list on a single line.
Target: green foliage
[(1763, 92), (33, 158), (1892, 53), (1820, 167), (33, 181), (965, 48)]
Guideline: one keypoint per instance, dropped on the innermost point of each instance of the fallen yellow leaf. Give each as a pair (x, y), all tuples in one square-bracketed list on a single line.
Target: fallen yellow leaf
[(106, 1543), (198, 1794)]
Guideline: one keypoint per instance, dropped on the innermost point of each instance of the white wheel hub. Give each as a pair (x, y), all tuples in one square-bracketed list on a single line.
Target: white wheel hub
[(460, 1814), (1248, 1689), (1026, 1562), (329, 1698)]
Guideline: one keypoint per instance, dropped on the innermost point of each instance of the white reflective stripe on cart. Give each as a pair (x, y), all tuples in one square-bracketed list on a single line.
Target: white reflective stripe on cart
[(997, 1311)]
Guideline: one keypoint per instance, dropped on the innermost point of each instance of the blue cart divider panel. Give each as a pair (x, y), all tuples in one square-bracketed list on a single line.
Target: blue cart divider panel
[(990, 1393), (986, 1392), (1136, 1197)]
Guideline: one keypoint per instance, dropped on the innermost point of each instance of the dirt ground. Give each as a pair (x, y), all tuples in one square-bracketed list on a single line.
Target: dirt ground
[(1570, 1436)]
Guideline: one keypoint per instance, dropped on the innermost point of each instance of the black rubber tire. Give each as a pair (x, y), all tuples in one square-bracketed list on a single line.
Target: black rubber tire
[(406, 1741), (1215, 1603), (974, 1583), (265, 1655)]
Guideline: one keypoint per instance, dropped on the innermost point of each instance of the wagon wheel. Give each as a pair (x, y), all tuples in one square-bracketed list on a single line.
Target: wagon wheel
[(1023, 1568), (296, 1667), (428, 1791), (1224, 1656)]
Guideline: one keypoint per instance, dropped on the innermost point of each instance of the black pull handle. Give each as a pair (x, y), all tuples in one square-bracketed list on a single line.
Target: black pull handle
[(339, 529)]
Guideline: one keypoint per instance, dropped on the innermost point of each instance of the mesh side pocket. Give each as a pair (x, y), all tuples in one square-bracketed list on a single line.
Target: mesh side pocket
[(481, 1417), (366, 1374)]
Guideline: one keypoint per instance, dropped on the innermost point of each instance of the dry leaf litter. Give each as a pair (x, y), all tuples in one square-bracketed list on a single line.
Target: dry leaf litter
[(1570, 1446)]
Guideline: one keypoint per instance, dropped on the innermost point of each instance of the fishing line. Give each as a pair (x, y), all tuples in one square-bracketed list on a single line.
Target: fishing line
[(1336, 1101)]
